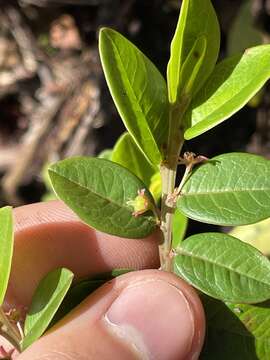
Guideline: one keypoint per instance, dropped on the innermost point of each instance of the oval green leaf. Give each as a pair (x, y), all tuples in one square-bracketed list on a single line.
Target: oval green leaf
[(98, 191), (231, 85), (139, 92), (6, 246), (197, 19), (231, 189), (127, 154), (224, 267), (240, 330), (46, 301)]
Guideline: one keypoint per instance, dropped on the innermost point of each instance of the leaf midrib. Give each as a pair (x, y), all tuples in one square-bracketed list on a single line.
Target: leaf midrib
[(222, 192), (91, 191), (134, 96), (184, 252)]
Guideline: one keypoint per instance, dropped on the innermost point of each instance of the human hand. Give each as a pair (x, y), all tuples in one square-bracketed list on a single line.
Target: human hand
[(147, 314)]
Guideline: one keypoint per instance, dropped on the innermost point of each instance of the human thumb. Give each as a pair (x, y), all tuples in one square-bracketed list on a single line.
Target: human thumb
[(141, 315)]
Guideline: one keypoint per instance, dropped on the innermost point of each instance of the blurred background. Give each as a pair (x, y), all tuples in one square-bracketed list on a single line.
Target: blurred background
[(54, 102)]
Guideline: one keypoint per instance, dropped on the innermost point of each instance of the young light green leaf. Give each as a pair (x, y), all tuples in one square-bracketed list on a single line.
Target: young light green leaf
[(240, 330), (99, 192), (106, 154), (156, 186), (127, 154), (224, 267), (231, 85), (231, 189), (180, 222), (197, 19), (139, 92), (191, 68), (6, 246), (46, 300), (256, 235)]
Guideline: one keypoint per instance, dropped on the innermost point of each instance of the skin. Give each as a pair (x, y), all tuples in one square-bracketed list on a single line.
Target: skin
[(146, 314)]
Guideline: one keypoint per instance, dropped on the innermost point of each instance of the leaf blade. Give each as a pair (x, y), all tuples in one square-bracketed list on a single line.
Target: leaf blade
[(224, 268), (46, 300), (196, 19), (241, 330), (231, 85), (231, 189), (127, 154), (98, 191), (139, 92), (6, 246)]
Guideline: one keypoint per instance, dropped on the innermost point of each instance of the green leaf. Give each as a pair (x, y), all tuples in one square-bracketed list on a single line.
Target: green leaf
[(79, 291), (127, 154), (231, 85), (139, 92), (98, 191), (6, 246), (106, 154), (231, 189), (180, 222), (191, 68), (256, 235), (243, 33), (224, 267), (240, 330), (46, 300), (197, 19)]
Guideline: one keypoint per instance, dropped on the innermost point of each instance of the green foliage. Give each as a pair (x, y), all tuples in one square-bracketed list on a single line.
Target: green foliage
[(180, 222), (256, 235), (230, 189), (6, 246), (224, 267), (197, 28), (105, 154), (46, 300), (231, 85), (139, 92), (98, 191), (240, 330), (243, 33), (127, 154)]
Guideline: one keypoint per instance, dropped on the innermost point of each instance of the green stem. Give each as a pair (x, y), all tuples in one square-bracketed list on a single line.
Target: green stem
[(168, 176), (168, 182)]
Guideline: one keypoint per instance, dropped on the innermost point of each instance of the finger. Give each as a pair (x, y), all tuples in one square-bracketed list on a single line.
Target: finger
[(49, 235), (142, 315)]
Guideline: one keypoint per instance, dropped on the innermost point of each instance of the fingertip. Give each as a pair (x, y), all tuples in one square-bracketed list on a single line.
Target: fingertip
[(141, 315), (49, 235)]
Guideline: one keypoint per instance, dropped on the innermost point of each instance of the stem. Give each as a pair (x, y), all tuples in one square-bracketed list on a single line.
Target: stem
[(168, 182), (8, 331), (168, 175)]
